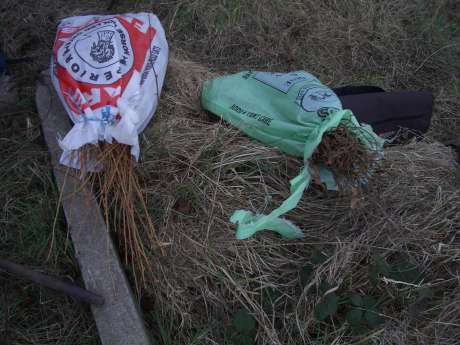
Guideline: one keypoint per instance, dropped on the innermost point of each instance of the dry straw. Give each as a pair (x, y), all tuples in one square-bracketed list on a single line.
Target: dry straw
[(200, 170)]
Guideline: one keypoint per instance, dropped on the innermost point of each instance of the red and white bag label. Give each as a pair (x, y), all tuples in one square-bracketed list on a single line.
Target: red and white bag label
[(108, 72)]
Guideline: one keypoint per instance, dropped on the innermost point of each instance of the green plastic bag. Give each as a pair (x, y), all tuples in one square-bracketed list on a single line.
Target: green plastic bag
[(290, 111)]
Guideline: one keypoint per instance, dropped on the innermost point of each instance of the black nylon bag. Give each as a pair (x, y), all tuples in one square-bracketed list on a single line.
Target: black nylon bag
[(388, 112)]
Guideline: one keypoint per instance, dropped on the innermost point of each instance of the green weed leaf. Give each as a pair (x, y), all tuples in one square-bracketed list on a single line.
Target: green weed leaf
[(318, 257), (373, 318), (370, 302), (406, 271), (357, 300), (242, 339), (378, 268), (305, 275), (327, 307), (324, 286), (425, 292), (243, 322), (354, 317)]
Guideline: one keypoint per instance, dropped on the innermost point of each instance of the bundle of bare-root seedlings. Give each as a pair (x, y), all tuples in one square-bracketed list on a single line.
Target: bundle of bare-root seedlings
[(118, 190), (110, 102), (343, 152)]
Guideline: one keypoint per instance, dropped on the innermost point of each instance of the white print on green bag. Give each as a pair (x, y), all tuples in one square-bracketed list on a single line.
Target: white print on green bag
[(282, 81)]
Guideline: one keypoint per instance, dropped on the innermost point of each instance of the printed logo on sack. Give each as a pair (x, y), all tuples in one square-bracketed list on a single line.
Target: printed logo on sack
[(98, 54), (104, 50), (319, 99)]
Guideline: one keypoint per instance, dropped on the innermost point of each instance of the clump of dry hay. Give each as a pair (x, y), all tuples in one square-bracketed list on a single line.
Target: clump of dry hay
[(199, 172)]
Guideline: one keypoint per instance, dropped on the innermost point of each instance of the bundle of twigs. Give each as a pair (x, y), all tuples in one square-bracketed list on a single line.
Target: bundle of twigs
[(344, 154), (118, 190)]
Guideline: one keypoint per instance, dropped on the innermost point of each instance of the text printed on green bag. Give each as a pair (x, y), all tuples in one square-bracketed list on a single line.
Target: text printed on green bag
[(259, 117)]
